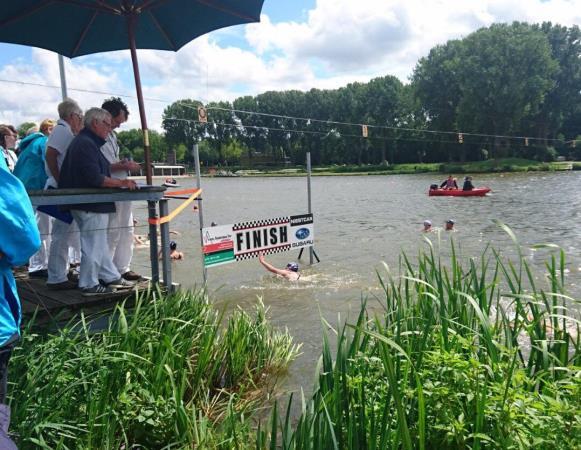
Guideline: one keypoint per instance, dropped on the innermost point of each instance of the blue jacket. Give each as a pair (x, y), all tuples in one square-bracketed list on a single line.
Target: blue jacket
[(30, 166), (19, 240)]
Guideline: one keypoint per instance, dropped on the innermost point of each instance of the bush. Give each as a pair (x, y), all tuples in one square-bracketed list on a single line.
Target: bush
[(474, 355), (161, 374)]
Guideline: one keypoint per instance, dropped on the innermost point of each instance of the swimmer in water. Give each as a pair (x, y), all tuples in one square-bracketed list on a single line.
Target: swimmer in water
[(291, 272), (450, 225), (427, 226), (174, 255)]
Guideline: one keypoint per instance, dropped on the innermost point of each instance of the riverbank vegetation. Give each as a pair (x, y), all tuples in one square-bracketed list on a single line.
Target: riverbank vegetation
[(488, 166), (165, 374), (478, 355)]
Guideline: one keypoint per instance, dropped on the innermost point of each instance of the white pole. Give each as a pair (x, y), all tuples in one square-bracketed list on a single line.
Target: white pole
[(311, 251), (63, 76), (200, 210)]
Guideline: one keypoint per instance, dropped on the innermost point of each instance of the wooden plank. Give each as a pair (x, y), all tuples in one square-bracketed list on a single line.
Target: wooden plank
[(35, 296)]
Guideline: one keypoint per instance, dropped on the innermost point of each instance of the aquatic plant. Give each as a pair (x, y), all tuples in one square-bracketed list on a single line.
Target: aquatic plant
[(470, 354), (164, 374)]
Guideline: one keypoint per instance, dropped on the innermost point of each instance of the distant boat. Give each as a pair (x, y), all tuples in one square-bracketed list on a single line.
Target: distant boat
[(476, 192), (170, 182)]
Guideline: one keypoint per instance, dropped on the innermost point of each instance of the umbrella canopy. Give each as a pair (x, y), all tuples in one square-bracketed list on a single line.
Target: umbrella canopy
[(82, 27)]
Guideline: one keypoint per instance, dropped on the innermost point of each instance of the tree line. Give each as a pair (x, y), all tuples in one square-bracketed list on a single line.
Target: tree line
[(505, 90)]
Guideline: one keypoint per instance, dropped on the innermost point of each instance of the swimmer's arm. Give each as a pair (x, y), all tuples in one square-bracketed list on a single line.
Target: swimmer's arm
[(270, 267)]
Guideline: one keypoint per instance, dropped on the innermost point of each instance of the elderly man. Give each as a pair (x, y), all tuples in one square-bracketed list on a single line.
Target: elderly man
[(19, 239), (86, 167), (64, 234), (120, 234)]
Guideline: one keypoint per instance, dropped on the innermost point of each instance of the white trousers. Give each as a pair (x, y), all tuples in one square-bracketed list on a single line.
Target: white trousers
[(64, 235), (39, 261), (120, 236), (96, 262)]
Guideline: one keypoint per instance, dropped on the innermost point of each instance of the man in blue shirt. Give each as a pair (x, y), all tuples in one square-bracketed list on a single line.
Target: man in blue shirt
[(19, 240), (85, 167)]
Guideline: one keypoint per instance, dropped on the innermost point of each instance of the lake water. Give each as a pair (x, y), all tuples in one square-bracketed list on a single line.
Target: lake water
[(361, 222)]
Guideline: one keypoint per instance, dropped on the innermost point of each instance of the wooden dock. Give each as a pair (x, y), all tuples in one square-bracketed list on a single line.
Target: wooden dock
[(50, 305)]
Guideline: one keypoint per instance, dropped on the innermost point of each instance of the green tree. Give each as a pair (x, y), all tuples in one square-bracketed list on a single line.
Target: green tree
[(564, 97), (23, 128), (181, 152), (130, 140)]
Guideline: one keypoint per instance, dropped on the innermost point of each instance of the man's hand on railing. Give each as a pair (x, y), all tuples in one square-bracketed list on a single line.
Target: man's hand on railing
[(128, 184)]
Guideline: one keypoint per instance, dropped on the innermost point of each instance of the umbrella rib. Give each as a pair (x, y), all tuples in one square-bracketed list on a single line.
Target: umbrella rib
[(225, 9), (84, 33), (162, 31), (102, 7)]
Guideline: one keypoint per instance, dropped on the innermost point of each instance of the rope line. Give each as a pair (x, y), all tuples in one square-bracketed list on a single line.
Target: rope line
[(306, 119)]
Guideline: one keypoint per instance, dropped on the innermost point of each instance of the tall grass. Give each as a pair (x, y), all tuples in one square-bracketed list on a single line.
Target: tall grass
[(165, 374), (470, 354)]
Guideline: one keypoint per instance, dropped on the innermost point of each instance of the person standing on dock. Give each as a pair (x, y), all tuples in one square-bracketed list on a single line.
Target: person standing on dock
[(120, 233), (19, 240), (85, 167), (30, 170), (64, 234)]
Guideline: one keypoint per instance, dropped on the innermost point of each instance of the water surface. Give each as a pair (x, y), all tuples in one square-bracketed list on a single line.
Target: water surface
[(360, 223)]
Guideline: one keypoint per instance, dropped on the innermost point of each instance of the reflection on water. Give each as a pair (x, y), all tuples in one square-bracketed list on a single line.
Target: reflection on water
[(360, 222)]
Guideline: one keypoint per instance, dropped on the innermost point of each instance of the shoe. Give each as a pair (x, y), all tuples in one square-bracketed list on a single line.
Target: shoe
[(97, 290), (72, 276), (63, 286), (131, 276), (120, 284), (38, 274)]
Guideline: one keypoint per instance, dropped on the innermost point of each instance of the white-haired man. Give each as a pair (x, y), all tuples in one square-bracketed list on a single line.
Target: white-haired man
[(64, 234), (86, 167)]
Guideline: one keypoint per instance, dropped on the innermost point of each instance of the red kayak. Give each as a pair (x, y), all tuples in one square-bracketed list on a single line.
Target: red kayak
[(476, 192)]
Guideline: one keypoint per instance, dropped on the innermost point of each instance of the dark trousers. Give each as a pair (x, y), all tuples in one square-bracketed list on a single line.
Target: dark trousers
[(5, 353)]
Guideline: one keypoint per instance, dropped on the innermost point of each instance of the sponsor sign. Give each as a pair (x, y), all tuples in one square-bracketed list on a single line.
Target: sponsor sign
[(245, 240), (217, 245)]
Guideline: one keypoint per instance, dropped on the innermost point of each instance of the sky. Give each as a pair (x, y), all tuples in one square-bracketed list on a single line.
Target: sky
[(298, 44)]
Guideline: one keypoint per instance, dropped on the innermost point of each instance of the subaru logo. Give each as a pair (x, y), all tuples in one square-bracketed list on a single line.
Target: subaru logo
[(302, 233)]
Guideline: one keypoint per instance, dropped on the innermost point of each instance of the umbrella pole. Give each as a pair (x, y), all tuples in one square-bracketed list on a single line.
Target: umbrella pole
[(132, 47)]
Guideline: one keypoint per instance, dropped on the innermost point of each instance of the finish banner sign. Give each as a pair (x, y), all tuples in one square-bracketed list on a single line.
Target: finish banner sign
[(228, 243)]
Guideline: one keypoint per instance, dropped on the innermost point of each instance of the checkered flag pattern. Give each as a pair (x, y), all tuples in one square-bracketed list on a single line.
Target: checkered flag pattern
[(270, 251), (259, 223)]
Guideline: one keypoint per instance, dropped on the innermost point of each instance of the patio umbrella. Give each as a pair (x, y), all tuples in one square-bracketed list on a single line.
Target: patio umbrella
[(82, 27)]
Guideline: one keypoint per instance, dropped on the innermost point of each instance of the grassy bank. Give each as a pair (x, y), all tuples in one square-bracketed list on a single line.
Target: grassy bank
[(167, 374), (488, 166), (465, 356)]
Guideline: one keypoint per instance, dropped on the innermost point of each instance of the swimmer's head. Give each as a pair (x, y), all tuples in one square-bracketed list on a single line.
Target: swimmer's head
[(427, 223), (292, 266), (173, 245)]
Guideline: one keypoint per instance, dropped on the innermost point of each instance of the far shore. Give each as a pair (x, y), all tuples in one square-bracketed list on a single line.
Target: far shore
[(456, 168)]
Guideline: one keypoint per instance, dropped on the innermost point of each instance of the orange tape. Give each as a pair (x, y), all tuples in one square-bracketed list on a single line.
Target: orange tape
[(195, 194), (181, 192)]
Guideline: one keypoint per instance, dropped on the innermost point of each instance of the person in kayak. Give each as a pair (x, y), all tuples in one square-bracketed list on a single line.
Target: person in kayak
[(449, 183), (468, 186), (291, 272)]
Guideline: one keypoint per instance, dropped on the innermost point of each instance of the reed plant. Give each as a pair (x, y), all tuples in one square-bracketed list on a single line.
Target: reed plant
[(473, 354), (166, 373)]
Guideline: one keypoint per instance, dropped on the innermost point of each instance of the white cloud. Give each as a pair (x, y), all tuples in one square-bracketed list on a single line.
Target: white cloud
[(339, 41)]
